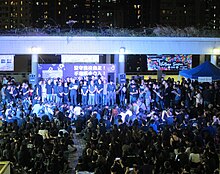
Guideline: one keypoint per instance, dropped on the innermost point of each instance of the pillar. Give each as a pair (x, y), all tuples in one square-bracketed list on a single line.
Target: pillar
[(201, 59), (121, 63), (108, 58), (119, 60), (34, 66), (213, 59)]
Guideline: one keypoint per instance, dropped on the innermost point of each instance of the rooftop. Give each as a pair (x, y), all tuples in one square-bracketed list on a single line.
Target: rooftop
[(159, 31)]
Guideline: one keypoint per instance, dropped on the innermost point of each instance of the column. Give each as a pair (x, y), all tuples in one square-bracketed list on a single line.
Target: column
[(201, 59), (119, 60), (213, 59), (116, 62), (108, 58), (121, 63), (34, 66)]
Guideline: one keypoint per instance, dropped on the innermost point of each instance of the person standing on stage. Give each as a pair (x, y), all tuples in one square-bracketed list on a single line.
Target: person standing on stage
[(60, 92), (73, 91), (43, 90), (92, 91), (133, 89), (105, 93), (54, 94), (49, 90), (99, 92), (84, 93), (39, 89), (122, 94), (111, 88), (65, 92)]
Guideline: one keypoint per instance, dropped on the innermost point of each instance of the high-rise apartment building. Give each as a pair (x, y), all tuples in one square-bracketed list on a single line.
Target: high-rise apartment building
[(59, 12), (109, 13), (14, 14), (185, 13)]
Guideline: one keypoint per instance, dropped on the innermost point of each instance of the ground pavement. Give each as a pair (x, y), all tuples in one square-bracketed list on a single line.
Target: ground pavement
[(79, 143)]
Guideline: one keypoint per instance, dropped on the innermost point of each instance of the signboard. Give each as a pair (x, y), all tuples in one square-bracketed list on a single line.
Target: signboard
[(74, 70), (79, 58), (6, 62), (169, 62), (32, 78), (122, 78), (205, 79), (52, 73)]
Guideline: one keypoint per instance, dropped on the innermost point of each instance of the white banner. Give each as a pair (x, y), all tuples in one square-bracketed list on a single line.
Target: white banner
[(205, 79), (52, 74), (80, 58), (6, 62)]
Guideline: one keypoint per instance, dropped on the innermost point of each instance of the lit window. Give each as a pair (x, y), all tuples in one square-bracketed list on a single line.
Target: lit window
[(214, 27), (135, 6), (6, 2), (185, 11), (163, 11), (87, 21), (110, 25), (214, 21), (59, 3), (214, 7), (21, 2), (11, 26), (138, 6), (70, 17), (37, 3), (107, 14), (21, 9), (21, 15), (59, 12), (214, 15), (6, 26)]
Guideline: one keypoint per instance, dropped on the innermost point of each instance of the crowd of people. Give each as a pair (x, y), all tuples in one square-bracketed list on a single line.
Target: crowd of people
[(140, 126)]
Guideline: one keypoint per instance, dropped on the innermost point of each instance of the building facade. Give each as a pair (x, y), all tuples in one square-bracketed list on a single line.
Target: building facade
[(109, 13), (15, 14)]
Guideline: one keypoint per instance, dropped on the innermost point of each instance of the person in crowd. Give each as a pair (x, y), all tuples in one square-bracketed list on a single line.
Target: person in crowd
[(3, 94), (148, 99), (177, 95), (142, 89), (118, 139)]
